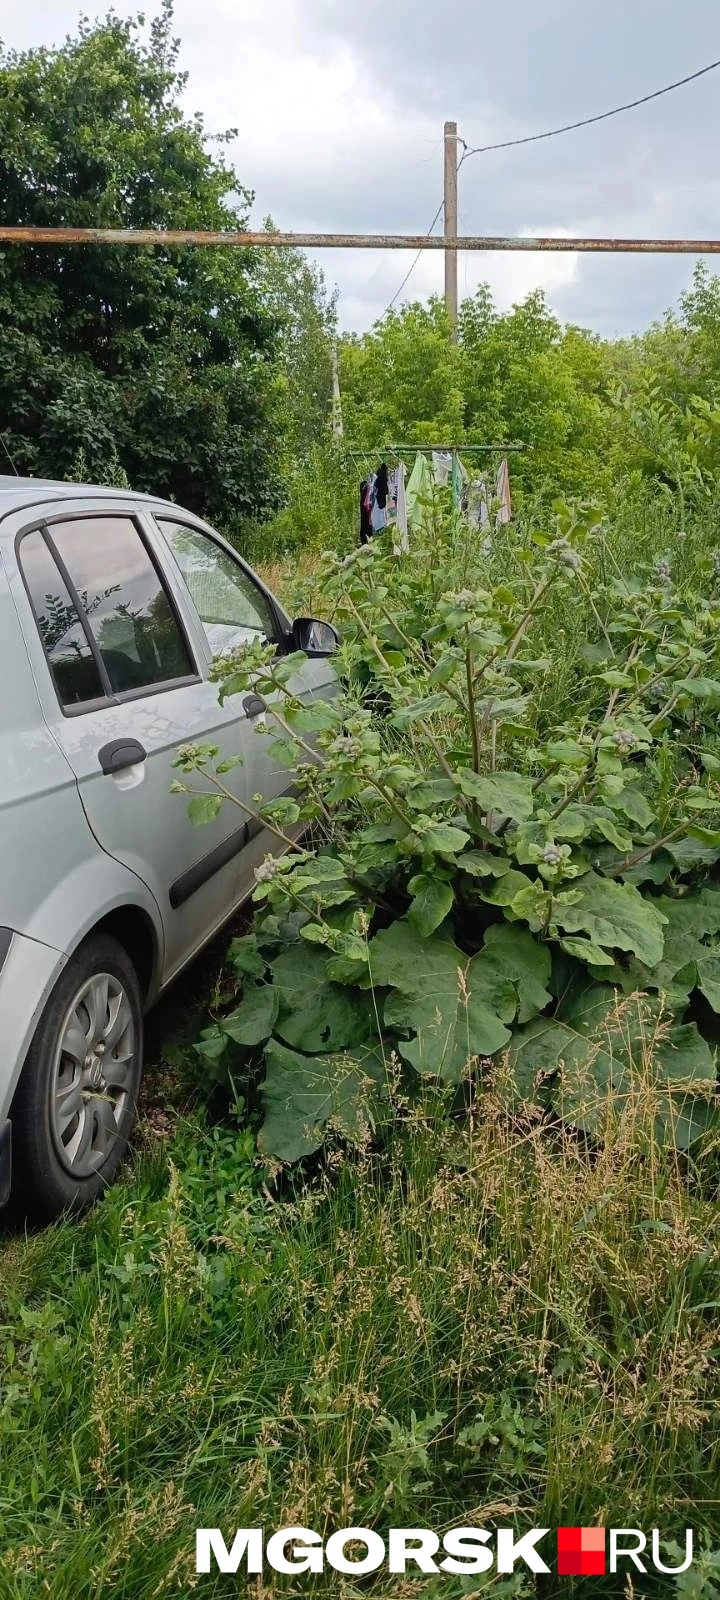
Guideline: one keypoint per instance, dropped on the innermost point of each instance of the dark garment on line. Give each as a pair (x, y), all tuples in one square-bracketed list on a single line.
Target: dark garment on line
[(366, 528), (381, 486)]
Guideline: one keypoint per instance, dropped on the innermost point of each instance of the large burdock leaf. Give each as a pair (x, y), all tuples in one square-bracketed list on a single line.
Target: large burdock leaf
[(510, 794), (605, 1051), (691, 953), (432, 902), (453, 1006), (252, 1021), (544, 1047), (614, 915), (315, 1014), (513, 953), (305, 1096)]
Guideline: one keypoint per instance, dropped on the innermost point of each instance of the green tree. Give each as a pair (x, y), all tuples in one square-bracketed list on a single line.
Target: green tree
[(295, 292), (517, 377), (402, 381), (158, 362)]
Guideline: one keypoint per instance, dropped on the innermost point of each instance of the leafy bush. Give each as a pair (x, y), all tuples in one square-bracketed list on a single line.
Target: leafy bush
[(497, 873)]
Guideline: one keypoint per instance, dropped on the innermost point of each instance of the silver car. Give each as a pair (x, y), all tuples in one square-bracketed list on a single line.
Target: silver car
[(112, 608)]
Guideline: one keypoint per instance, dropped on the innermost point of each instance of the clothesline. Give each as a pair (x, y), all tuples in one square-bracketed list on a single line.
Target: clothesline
[(454, 449), (387, 500), (435, 449)]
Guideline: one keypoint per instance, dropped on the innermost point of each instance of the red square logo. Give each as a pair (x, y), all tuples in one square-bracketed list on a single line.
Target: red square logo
[(581, 1552)]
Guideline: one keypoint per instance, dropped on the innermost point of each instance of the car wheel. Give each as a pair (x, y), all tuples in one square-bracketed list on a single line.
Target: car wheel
[(75, 1103)]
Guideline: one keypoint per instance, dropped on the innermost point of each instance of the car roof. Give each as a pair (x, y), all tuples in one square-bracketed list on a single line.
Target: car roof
[(15, 493)]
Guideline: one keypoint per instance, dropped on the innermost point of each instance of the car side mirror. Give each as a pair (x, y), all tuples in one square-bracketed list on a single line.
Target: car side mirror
[(313, 637)]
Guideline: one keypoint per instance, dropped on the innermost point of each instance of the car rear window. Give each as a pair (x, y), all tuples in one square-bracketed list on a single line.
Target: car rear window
[(128, 611), (71, 659), (105, 619)]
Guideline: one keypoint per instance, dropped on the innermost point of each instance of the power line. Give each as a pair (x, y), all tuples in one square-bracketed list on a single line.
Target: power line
[(551, 133), (569, 127), (414, 263)]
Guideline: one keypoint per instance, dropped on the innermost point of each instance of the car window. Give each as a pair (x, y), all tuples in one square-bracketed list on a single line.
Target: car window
[(232, 608), (72, 662), (126, 607)]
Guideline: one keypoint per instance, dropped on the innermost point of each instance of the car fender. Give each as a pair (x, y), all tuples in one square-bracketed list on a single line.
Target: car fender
[(83, 897)]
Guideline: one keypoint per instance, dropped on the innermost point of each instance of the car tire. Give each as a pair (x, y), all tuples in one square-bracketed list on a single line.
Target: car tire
[(75, 1104)]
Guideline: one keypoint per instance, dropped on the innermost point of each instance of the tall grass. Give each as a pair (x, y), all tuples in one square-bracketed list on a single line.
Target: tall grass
[(491, 1324)]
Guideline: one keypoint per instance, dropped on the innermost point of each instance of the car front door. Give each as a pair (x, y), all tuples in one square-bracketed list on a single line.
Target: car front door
[(127, 683), (233, 608)]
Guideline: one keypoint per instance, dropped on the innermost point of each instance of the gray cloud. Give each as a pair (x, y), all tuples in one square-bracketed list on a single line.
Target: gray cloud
[(507, 71), (339, 108)]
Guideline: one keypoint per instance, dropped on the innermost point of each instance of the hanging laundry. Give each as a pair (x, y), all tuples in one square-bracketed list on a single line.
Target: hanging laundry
[(367, 490), (401, 543), (477, 503), (380, 499), (381, 486), (502, 495), (458, 480), (442, 467), (419, 494)]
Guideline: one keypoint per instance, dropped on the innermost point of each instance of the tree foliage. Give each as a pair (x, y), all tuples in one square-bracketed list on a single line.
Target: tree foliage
[(159, 361), (295, 292), (513, 378)]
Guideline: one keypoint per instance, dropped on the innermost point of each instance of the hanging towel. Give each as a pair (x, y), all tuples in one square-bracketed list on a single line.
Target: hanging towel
[(502, 494), (401, 543), (442, 467), (419, 494)]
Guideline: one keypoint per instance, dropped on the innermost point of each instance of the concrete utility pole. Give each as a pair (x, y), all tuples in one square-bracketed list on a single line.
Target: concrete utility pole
[(451, 224), (337, 419)]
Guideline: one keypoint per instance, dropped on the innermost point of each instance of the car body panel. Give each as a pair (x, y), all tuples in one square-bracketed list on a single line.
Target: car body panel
[(27, 979), (52, 870), (132, 814), (79, 844)]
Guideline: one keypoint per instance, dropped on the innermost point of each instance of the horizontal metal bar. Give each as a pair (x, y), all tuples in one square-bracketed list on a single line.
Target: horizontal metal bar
[(174, 237), (466, 449)]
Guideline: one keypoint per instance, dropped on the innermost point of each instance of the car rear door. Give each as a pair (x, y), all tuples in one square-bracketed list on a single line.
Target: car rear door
[(124, 679)]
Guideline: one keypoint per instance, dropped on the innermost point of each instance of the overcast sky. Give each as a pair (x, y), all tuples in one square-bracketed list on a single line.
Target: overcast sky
[(340, 107)]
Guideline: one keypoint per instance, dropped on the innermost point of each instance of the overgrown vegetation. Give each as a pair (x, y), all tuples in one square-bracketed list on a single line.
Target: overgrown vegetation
[(431, 1234), (467, 1308), (499, 866)]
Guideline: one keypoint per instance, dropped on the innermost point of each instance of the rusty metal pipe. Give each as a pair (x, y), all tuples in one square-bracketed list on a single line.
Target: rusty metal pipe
[(181, 237)]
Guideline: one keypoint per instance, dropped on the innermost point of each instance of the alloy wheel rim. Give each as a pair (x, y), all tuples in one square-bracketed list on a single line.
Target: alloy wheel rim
[(94, 1075)]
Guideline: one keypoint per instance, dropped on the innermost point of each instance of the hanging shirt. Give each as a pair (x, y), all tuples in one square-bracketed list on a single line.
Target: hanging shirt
[(458, 480), (381, 486), (502, 495), (477, 501), (419, 494), (401, 543)]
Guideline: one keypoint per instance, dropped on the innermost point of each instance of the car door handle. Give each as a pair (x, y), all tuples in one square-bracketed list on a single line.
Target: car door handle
[(254, 705), (119, 754)]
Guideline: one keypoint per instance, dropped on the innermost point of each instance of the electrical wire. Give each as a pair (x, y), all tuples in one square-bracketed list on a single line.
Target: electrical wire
[(602, 116), (551, 133), (411, 268)]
